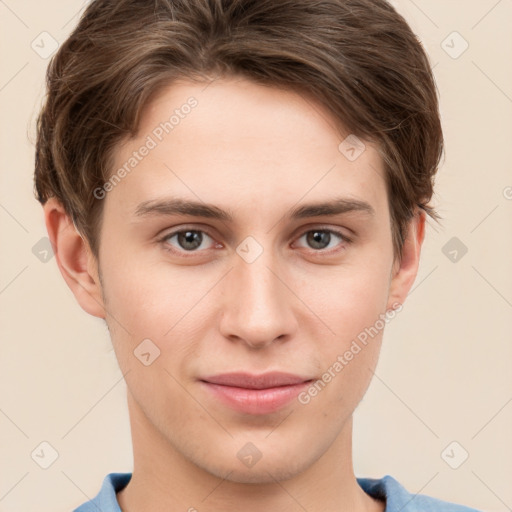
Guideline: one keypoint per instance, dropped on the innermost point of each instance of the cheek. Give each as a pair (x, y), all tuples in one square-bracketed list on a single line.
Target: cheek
[(349, 357), (156, 303), (348, 298), (363, 300), (352, 304), (149, 297)]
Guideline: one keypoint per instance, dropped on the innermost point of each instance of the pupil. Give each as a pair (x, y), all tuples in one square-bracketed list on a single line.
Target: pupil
[(186, 239), (319, 239)]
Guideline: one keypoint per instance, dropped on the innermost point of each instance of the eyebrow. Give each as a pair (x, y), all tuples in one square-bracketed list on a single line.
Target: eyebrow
[(176, 206)]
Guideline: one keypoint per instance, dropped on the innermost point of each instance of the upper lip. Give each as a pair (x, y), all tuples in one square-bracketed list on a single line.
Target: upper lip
[(250, 381)]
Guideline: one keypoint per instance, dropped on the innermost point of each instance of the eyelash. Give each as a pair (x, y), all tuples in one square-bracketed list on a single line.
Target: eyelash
[(168, 247)]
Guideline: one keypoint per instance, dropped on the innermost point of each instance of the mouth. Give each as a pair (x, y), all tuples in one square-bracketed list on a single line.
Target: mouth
[(255, 394)]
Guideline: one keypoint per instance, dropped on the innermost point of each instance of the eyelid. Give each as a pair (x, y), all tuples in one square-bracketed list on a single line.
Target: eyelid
[(163, 240), (184, 227), (336, 230), (345, 240)]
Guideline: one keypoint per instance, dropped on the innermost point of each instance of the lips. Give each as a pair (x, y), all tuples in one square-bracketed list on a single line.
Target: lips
[(255, 394)]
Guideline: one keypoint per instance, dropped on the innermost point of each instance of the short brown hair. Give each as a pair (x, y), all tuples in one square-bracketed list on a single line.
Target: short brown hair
[(358, 58)]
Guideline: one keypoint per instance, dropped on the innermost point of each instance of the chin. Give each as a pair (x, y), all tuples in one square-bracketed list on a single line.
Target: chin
[(257, 476), (263, 472)]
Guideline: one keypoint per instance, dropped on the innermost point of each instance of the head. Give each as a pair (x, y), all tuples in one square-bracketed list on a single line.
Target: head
[(307, 135)]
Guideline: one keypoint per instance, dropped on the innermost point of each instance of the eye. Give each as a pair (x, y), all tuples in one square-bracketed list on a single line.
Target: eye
[(321, 239), (187, 240), (196, 240)]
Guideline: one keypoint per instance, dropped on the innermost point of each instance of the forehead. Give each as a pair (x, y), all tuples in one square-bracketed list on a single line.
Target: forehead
[(236, 142)]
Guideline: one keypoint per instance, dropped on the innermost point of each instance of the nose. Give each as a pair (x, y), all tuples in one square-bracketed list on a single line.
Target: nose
[(257, 305)]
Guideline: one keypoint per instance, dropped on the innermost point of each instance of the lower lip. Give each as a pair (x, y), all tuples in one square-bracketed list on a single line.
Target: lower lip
[(256, 401)]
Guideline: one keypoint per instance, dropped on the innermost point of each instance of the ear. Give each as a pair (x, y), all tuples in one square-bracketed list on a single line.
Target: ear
[(404, 272), (74, 258)]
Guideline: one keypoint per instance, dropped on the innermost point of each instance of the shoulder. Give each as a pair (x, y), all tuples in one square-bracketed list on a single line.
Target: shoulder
[(106, 500), (399, 499)]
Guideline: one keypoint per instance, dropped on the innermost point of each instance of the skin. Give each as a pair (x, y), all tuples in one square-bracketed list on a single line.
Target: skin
[(257, 152)]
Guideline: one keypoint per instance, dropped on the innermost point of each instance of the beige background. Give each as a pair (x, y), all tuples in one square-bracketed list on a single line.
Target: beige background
[(445, 370)]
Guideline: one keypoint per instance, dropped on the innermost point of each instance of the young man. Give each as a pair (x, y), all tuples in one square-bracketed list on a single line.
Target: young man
[(239, 188)]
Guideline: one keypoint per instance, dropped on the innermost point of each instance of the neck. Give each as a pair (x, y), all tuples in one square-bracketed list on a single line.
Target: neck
[(164, 480)]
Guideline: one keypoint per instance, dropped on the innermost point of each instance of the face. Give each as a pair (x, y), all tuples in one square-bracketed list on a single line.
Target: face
[(241, 256)]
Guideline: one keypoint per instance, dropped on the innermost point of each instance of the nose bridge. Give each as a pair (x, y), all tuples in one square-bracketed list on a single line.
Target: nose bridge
[(257, 304), (258, 284)]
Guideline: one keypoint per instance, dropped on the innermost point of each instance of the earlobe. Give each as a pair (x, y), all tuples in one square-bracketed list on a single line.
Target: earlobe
[(74, 258), (405, 271)]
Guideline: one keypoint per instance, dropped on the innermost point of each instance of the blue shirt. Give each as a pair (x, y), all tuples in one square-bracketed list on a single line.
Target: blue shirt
[(397, 498)]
